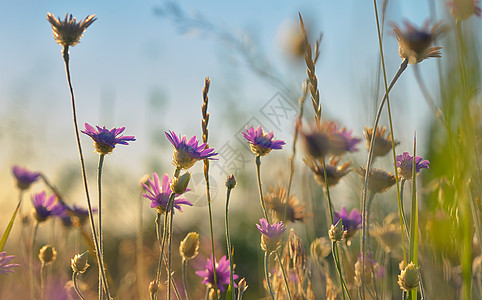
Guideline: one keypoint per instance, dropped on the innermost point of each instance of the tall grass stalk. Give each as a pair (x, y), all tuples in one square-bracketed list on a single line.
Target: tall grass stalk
[(99, 223), (65, 54), (139, 248), (229, 247), (414, 220), (266, 274)]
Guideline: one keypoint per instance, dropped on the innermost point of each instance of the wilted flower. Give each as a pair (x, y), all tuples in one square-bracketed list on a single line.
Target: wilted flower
[(5, 266), (382, 144), (262, 143), (278, 204), (68, 32), (187, 153), (24, 177), (105, 140), (405, 163), (379, 181), (320, 248), (79, 263), (463, 9), (271, 235), (409, 277), (47, 254), (159, 195), (46, 207), (333, 172), (222, 273), (351, 221), (189, 247), (414, 44)]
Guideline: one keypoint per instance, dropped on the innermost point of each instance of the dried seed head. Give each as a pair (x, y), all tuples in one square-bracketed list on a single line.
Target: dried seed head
[(231, 182), (179, 185), (382, 144), (47, 254), (409, 277), (278, 205), (379, 181), (68, 32), (79, 263), (337, 232), (320, 248), (189, 247), (334, 172)]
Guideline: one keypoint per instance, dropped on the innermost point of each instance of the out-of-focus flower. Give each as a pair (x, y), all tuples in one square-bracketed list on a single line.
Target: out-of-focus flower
[(24, 177), (278, 204), (78, 215), (463, 9), (47, 254), (105, 140), (68, 32), (320, 248), (262, 143), (189, 247), (388, 234), (317, 141), (46, 207), (409, 277), (372, 268), (187, 153), (341, 140), (79, 263), (222, 273), (351, 221), (379, 181), (405, 163), (271, 235), (414, 44), (159, 195), (382, 144), (5, 265), (334, 172)]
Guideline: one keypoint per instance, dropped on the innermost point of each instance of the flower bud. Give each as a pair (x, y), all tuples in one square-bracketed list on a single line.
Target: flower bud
[(336, 232), (47, 254), (79, 263), (409, 277), (153, 287), (189, 247), (231, 182), (179, 185)]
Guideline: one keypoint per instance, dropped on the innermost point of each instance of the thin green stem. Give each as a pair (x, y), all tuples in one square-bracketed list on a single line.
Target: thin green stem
[(414, 221), (266, 274), (212, 238), (99, 223), (336, 259), (76, 287), (229, 247), (42, 280), (260, 188), (84, 176), (184, 278), (405, 223)]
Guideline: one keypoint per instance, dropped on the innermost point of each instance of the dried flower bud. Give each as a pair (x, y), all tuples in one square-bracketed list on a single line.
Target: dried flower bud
[(337, 232), (179, 185), (47, 254), (189, 247), (153, 287), (409, 277), (320, 248), (79, 263), (231, 182), (242, 286)]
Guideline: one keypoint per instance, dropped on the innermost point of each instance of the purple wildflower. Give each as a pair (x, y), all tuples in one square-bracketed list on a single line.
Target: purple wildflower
[(46, 207), (105, 140), (187, 153), (24, 177), (405, 163), (159, 195), (463, 9), (222, 273), (75, 215), (5, 267), (351, 222), (342, 141), (271, 235), (262, 143)]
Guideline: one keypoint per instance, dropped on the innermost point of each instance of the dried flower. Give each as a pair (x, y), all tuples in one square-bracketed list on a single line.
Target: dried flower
[(187, 153), (24, 177), (262, 143), (79, 263), (414, 44), (278, 204), (46, 207), (68, 32), (382, 145), (337, 232), (159, 195), (105, 140), (320, 248), (405, 163), (189, 247), (463, 9), (379, 181), (5, 266), (271, 235), (47, 254), (351, 221), (231, 182), (179, 185), (222, 273), (409, 277), (333, 172)]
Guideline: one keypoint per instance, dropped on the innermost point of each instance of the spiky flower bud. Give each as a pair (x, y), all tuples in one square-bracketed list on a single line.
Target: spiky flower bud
[(231, 182), (179, 185), (337, 232), (409, 277), (79, 263), (47, 254), (189, 247)]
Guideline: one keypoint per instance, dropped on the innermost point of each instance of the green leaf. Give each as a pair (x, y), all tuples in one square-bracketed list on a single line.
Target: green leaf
[(5, 235)]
